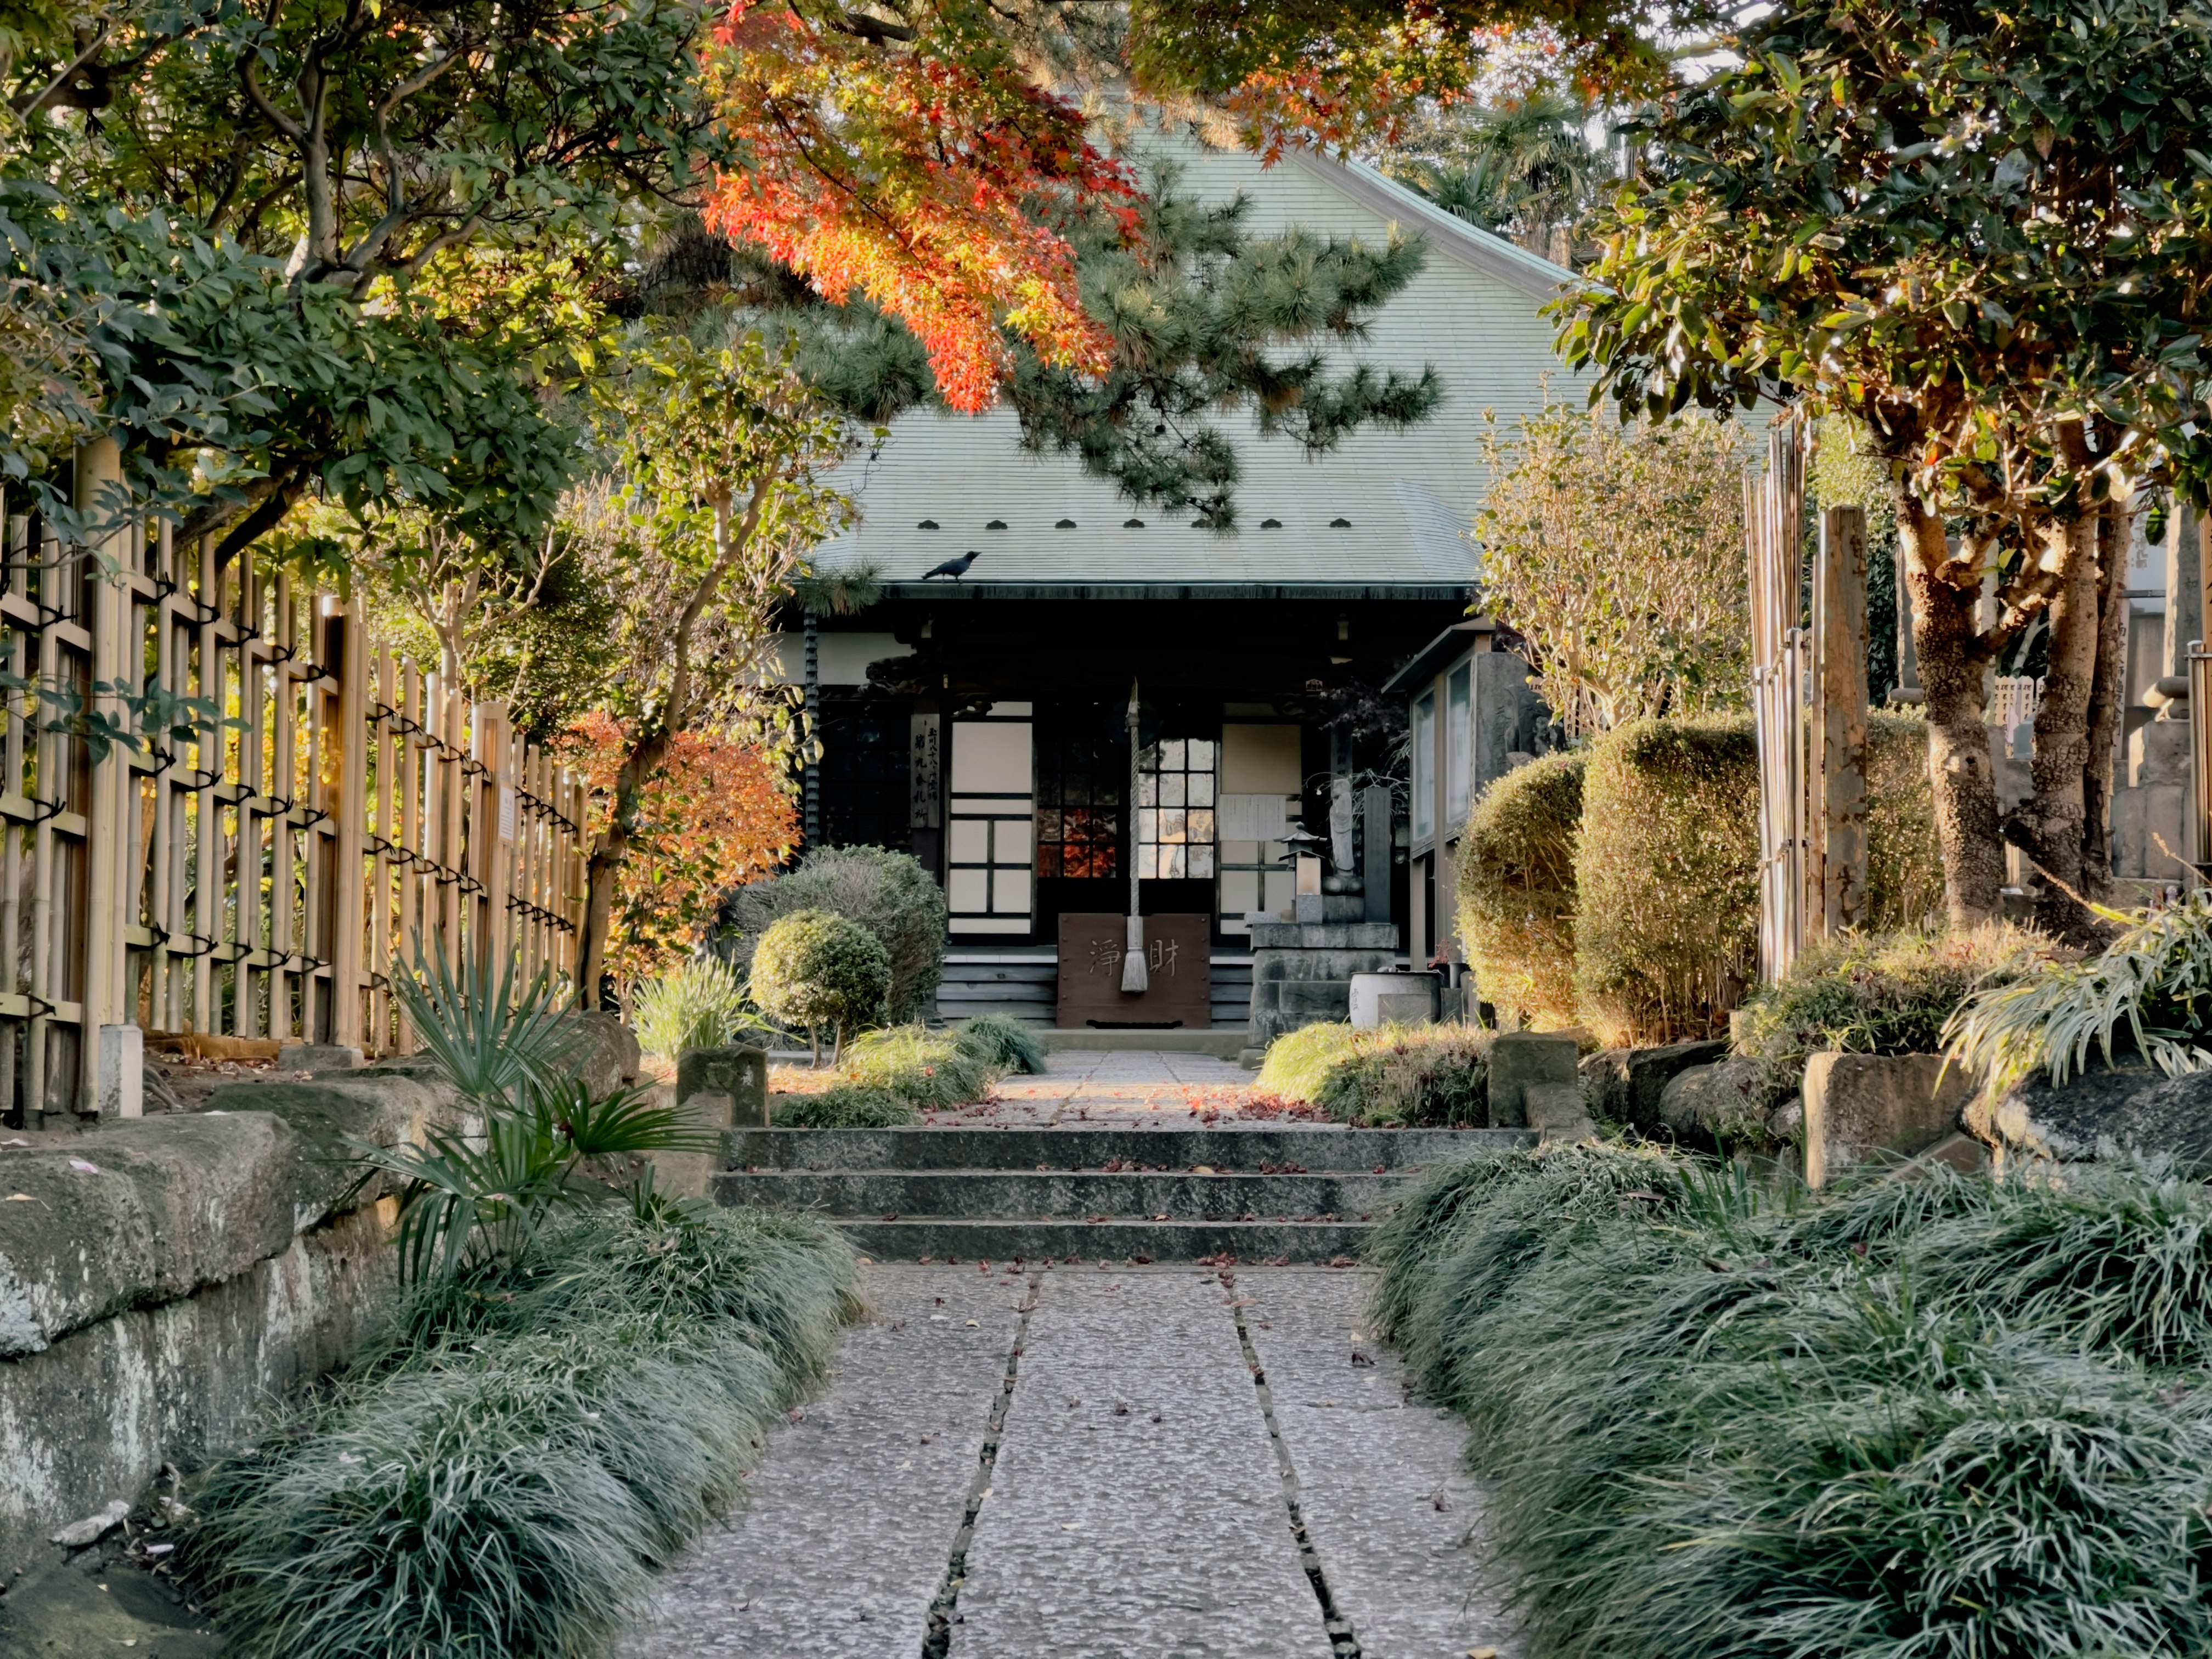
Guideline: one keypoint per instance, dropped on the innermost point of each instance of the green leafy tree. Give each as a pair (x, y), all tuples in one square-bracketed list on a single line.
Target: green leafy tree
[(725, 459), (1525, 168), (1983, 231), (1616, 550), (816, 968)]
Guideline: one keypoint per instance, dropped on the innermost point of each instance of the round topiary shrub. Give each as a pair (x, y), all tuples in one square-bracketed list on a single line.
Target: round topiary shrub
[(818, 970), (1517, 890), (887, 893)]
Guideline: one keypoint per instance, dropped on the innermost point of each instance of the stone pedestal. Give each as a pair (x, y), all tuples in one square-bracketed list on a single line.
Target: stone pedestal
[(1860, 1108), (1302, 970), (726, 1086), (1523, 1061)]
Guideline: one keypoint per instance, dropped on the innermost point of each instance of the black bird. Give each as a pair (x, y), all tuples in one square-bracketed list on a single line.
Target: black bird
[(954, 568)]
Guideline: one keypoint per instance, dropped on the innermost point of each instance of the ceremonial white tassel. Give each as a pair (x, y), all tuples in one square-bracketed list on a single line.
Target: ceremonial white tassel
[(1133, 977)]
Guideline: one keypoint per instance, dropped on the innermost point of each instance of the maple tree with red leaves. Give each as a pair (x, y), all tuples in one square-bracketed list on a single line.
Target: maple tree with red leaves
[(715, 812), (912, 163)]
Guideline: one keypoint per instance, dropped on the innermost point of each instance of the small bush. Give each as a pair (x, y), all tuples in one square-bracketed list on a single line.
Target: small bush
[(1885, 995), (503, 1476), (889, 894), (1385, 1076), (816, 970), (1517, 890), (891, 1077), (1006, 1043), (699, 1004)]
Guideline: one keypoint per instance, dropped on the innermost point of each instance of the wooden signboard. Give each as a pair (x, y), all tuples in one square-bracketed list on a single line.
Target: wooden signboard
[(1178, 960)]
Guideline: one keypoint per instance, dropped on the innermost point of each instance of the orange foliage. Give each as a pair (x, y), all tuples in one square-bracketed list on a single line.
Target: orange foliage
[(717, 813), (912, 172)]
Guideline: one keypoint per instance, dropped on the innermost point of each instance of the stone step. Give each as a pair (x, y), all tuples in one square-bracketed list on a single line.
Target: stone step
[(1009, 1194), (947, 1238), (1314, 1147)]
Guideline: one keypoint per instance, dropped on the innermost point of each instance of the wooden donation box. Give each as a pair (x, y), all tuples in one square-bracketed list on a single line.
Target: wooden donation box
[(1178, 963)]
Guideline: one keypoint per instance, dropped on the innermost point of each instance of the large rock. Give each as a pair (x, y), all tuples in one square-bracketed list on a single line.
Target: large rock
[(2129, 1108), (606, 1055), (1521, 1060), (1624, 1085), (1862, 1109), (1717, 1107)]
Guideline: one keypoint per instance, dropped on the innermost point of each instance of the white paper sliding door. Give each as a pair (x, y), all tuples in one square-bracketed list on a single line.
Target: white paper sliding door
[(989, 850)]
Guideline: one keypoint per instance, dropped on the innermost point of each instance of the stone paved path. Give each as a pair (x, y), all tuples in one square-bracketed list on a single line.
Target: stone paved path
[(1140, 1087), (1140, 1493)]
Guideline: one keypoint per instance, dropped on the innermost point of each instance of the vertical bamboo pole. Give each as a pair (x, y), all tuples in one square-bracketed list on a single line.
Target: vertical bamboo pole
[(350, 812), (98, 476), (381, 913), (213, 750), (284, 789), (410, 782), (452, 821), (1842, 722)]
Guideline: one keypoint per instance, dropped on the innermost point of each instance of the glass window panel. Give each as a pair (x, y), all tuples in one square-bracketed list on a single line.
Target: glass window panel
[(1148, 863), (1148, 758), (1010, 890), (1172, 825), (1076, 792), (1201, 755), (1171, 754), (1148, 789), (1049, 825), (1050, 860), (1010, 841), (1171, 788), (1202, 789), (1202, 861), (1198, 826), (971, 841), (1171, 865), (1048, 789), (1424, 766), (967, 890), (1459, 736), (1148, 824)]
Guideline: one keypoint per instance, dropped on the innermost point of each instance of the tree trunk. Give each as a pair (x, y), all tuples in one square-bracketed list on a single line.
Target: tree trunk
[(609, 852), (1960, 775), (2053, 828), (2105, 702)]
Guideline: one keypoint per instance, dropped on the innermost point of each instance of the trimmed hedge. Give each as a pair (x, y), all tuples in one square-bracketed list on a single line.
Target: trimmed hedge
[(1667, 880), (887, 893), (1667, 868), (815, 969), (1383, 1076), (1517, 890), (1952, 1418)]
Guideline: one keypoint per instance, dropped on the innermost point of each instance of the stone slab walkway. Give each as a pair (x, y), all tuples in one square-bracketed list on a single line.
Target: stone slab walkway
[(1136, 1087), (1130, 1493)]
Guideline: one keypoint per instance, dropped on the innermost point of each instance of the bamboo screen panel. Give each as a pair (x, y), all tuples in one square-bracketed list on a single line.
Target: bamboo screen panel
[(224, 812)]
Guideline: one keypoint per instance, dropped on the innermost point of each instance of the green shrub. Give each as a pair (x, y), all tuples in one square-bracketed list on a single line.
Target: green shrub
[(702, 1004), (889, 894), (1884, 995), (845, 1106), (1667, 880), (1006, 1042), (1926, 1417), (1517, 890), (1384, 1075), (1667, 868), (815, 969), (502, 1478)]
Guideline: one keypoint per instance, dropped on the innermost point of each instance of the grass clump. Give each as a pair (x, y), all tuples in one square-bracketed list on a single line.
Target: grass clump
[(1952, 1417), (891, 1077), (2149, 992), (701, 1003), (1383, 1076), (1516, 888), (1889, 994), (501, 1477)]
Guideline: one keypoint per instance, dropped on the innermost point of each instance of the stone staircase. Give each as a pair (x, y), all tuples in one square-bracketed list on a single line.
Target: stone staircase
[(1300, 1192)]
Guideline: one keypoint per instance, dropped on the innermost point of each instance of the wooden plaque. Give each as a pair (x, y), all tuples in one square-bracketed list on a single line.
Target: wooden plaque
[(1178, 959)]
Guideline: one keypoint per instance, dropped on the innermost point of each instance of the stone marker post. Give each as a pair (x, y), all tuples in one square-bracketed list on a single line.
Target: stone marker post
[(728, 1086)]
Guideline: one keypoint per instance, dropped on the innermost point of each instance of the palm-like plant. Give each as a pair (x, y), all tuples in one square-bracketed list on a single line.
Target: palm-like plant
[(490, 1036), (468, 1197), (1526, 169)]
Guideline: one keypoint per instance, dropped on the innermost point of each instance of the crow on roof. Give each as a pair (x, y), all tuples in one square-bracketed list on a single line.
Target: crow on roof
[(954, 568)]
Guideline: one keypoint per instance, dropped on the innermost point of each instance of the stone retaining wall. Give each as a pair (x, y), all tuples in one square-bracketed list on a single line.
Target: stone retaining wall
[(164, 1279)]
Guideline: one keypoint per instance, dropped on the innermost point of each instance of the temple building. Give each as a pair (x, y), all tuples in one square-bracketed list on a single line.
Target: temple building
[(980, 720)]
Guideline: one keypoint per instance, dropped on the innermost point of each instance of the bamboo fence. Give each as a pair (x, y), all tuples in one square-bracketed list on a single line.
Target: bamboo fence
[(225, 811)]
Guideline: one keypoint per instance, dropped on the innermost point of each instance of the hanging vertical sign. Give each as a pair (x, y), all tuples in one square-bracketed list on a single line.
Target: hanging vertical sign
[(925, 773)]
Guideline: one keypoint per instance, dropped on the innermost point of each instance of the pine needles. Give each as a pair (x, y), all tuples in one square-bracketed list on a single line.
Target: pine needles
[(1941, 1418), (500, 1479)]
